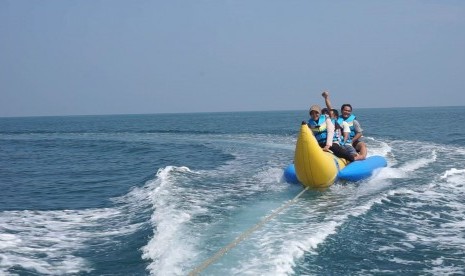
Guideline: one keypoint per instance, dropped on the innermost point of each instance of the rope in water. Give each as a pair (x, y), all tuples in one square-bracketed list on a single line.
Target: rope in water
[(243, 236)]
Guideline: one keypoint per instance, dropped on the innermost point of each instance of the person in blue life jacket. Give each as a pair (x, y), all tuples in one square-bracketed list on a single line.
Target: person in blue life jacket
[(352, 131), (323, 130), (338, 129)]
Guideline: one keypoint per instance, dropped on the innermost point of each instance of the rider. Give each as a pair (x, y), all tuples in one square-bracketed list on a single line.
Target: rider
[(351, 140), (323, 129)]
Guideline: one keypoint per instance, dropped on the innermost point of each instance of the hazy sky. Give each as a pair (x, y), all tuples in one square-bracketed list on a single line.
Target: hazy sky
[(73, 57)]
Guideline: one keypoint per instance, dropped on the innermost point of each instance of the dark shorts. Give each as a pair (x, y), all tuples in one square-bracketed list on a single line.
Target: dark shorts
[(339, 151), (350, 149), (354, 144)]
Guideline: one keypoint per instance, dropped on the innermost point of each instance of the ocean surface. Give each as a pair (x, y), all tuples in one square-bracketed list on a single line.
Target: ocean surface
[(160, 194)]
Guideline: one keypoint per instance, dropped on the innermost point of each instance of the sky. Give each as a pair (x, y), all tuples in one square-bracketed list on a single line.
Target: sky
[(92, 57)]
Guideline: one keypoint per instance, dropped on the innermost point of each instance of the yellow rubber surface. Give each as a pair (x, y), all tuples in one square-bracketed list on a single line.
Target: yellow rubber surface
[(314, 167)]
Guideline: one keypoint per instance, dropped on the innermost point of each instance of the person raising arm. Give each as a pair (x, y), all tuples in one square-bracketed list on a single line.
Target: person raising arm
[(351, 140), (323, 130)]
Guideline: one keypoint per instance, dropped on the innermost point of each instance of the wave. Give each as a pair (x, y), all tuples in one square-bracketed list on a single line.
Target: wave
[(454, 174), (281, 243), (170, 246), (434, 220), (193, 208), (49, 242)]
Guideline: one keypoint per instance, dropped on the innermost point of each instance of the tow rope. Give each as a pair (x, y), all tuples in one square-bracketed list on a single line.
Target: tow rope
[(243, 236)]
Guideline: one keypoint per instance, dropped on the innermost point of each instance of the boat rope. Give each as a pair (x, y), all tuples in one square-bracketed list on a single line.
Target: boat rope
[(243, 236)]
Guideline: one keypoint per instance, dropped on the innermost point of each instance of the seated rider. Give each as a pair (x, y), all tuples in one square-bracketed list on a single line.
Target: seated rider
[(352, 130), (323, 129), (342, 130), (339, 130)]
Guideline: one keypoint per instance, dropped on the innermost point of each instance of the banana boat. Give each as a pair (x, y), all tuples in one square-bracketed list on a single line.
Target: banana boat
[(316, 168)]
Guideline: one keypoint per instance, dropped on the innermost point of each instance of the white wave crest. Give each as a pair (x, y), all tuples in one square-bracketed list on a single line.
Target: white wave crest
[(173, 208), (453, 172), (419, 163), (47, 241)]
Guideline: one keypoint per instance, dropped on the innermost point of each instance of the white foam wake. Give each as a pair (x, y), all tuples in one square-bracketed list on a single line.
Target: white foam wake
[(47, 241), (171, 246), (454, 173)]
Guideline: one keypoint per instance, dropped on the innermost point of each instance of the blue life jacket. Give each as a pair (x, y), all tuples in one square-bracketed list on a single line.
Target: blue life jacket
[(350, 122), (320, 129)]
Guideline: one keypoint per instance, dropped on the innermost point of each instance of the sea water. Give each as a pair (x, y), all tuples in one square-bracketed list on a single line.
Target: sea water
[(160, 194)]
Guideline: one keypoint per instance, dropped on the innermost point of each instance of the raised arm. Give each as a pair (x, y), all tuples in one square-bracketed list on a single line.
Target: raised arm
[(325, 95)]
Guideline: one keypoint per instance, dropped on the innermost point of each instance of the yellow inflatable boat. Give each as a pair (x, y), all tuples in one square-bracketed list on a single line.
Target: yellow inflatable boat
[(313, 166), (316, 168)]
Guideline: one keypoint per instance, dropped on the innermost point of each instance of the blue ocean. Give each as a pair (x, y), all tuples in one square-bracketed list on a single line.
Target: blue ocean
[(160, 194)]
